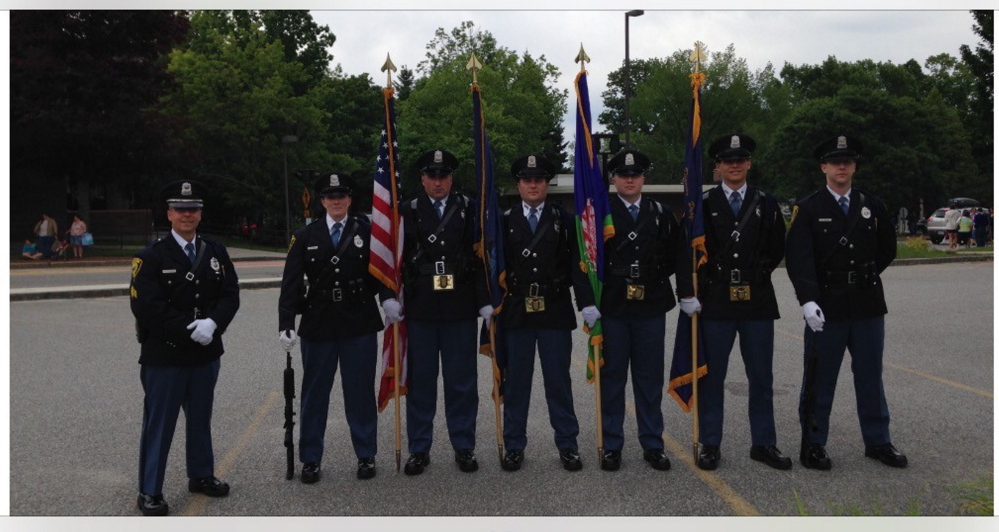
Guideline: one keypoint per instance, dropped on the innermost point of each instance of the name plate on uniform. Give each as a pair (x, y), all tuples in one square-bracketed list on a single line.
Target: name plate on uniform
[(443, 283), (738, 293), (636, 292)]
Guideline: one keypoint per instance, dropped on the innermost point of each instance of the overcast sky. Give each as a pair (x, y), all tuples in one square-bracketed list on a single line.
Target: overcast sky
[(797, 37)]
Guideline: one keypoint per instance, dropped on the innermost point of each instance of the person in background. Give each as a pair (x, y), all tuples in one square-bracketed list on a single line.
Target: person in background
[(76, 230), (30, 250), (46, 229), (980, 220), (964, 225), (952, 218)]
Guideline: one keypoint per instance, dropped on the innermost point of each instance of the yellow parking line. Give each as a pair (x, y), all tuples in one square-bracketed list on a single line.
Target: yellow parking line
[(941, 380), (197, 504)]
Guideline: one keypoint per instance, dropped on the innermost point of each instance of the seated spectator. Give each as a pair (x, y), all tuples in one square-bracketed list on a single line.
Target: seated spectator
[(30, 250)]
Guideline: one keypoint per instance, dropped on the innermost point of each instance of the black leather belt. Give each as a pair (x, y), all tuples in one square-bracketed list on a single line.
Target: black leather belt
[(535, 290), (736, 276), (631, 271), (436, 268), (843, 277), (333, 294)]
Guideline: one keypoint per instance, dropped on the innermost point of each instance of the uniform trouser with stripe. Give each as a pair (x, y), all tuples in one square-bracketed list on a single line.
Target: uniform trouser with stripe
[(358, 358), (640, 343), (865, 338), (554, 348), (756, 343), (169, 389), (447, 348)]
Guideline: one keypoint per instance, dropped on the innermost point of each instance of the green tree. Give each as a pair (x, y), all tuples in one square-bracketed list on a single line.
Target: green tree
[(981, 121), (523, 109), (82, 85)]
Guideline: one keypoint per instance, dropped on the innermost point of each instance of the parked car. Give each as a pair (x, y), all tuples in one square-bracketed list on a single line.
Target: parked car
[(936, 226)]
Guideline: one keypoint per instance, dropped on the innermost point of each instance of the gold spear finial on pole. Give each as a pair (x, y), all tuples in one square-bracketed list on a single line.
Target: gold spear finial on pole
[(582, 58), (699, 54), (388, 68), (474, 65)]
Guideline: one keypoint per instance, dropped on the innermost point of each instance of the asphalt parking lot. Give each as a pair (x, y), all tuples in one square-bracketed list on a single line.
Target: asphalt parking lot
[(76, 408)]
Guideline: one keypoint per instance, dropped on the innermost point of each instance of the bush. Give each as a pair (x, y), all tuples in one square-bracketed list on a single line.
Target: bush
[(917, 243)]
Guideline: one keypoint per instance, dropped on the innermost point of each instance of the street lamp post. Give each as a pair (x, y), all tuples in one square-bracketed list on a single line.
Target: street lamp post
[(285, 141), (627, 75)]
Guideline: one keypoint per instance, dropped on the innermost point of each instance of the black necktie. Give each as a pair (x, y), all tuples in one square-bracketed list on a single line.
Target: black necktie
[(335, 234), (736, 201), (190, 251)]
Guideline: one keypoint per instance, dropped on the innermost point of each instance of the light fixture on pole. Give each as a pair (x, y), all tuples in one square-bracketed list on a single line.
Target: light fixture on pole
[(285, 141), (627, 75)]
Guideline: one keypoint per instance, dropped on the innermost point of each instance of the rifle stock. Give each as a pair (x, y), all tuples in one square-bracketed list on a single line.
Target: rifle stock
[(289, 416)]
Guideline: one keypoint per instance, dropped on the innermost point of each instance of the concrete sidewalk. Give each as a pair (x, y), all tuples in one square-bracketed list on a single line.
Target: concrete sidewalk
[(237, 254)]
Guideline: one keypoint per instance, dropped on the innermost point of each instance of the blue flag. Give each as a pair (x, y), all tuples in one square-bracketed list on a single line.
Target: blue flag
[(489, 248), (681, 376)]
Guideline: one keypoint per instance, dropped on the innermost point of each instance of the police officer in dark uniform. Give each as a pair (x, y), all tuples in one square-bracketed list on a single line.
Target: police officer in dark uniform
[(840, 240), (184, 294), (636, 296), (744, 236), (541, 258), (445, 293), (326, 280)]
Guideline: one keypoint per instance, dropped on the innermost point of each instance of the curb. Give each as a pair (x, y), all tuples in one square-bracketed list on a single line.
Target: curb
[(113, 290)]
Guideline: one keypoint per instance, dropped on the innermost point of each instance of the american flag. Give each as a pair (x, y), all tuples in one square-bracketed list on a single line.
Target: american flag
[(386, 246)]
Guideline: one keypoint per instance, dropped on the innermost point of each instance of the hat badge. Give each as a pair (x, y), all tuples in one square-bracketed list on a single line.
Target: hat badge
[(735, 143), (841, 143), (438, 157), (629, 159), (334, 180), (185, 189), (532, 162)]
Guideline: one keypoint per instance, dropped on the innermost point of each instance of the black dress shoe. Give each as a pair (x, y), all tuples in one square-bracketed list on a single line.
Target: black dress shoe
[(770, 455), (152, 504), (366, 468), (570, 459), (417, 463), (466, 460), (887, 454), (708, 457), (657, 459), (512, 460), (611, 461), (310, 472), (814, 456), (210, 486)]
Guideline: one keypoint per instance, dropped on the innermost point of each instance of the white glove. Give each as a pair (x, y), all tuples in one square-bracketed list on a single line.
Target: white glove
[(813, 316), (690, 305), (486, 312), (203, 330), (590, 315), (393, 311), (288, 339)]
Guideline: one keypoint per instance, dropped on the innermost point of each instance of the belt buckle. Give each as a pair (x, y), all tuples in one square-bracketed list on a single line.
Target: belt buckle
[(443, 283), (534, 304), (636, 292), (337, 294), (197, 311), (739, 293), (439, 267), (735, 276), (634, 273), (851, 277), (532, 291)]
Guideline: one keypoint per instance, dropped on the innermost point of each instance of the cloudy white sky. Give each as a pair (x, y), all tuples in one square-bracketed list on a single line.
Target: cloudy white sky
[(364, 37)]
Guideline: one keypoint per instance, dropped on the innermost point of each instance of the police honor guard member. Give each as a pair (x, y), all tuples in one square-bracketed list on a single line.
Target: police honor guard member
[(184, 294), (744, 236), (840, 240), (445, 293), (636, 296), (326, 280), (541, 264)]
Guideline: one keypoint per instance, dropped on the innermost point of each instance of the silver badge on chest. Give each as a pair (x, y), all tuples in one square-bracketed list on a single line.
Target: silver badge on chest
[(214, 264), (865, 212), (358, 241)]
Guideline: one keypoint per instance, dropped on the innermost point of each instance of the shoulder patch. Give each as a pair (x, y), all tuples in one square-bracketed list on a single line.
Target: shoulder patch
[(794, 214), (292, 243), (136, 266)]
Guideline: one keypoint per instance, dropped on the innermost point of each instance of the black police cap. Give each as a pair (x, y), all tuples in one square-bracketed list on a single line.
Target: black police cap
[(839, 147), (184, 194), (333, 183), (730, 147), (533, 166), (437, 163), (628, 163)]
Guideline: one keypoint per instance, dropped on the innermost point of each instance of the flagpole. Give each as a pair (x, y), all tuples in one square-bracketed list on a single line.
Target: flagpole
[(697, 55), (496, 403), (596, 388)]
